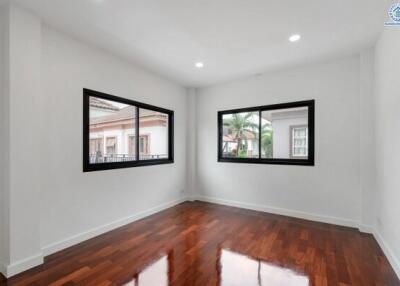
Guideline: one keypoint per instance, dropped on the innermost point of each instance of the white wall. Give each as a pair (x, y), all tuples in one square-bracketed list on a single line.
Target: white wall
[(331, 189), (74, 201), (22, 181), (191, 150), (387, 71), (48, 203), (4, 138), (158, 139), (367, 140)]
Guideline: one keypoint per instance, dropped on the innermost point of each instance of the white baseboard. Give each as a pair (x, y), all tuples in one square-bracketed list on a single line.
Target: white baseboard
[(366, 228), (393, 260), (25, 264), (308, 216), (22, 265), (191, 198), (280, 211), (80, 237), (30, 262), (3, 269)]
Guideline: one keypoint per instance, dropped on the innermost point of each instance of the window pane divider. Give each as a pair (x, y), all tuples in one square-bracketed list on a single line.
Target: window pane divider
[(137, 134), (259, 134)]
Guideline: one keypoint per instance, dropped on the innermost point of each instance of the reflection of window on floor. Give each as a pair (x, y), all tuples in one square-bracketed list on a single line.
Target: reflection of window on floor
[(299, 140), (96, 146), (154, 275), (111, 145), (256, 272)]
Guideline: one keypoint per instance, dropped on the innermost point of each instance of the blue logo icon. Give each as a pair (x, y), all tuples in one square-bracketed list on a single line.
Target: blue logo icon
[(394, 14)]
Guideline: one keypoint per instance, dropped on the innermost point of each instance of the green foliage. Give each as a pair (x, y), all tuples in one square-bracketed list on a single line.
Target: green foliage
[(267, 140), (238, 124)]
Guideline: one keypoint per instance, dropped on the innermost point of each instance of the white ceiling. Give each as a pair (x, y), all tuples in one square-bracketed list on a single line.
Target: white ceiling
[(233, 38)]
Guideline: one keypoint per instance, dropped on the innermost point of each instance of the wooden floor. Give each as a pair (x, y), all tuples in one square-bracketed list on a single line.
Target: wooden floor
[(204, 244)]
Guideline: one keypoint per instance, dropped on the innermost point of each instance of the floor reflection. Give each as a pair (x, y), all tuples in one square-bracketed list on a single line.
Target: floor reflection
[(233, 269), (237, 269), (156, 274)]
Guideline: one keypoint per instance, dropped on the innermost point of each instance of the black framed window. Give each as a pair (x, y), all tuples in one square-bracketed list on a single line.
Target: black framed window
[(122, 133), (270, 134)]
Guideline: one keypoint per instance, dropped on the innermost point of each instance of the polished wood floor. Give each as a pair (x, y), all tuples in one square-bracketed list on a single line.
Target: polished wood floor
[(204, 244)]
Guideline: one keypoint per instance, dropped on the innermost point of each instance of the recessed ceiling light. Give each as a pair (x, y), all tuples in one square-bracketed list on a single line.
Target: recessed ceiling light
[(199, 65), (294, 38)]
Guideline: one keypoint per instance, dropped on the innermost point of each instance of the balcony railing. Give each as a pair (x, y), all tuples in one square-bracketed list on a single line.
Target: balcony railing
[(117, 158), (231, 155)]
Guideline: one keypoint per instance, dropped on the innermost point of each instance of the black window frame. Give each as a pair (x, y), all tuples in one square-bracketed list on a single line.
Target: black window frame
[(310, 161), (88, 167)]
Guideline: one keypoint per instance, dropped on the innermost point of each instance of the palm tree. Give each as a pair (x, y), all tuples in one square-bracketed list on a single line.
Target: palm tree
[(266, 140), (238, 125)]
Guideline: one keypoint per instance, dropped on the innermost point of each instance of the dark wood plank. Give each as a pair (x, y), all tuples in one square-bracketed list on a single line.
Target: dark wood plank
[(198, 243)]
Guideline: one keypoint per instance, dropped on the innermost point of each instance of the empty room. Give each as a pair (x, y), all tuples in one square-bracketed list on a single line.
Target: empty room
[(199, 143)]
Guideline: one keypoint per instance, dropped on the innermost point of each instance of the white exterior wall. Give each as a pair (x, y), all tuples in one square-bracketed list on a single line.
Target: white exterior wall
[(121, 135), (281, 135), (252, 145), (158, 139)]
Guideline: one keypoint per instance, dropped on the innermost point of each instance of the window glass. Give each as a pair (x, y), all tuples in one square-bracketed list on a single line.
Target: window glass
[(153, 134), (111, 131), (284, 133), (122, 133), (240, 135), (270, 134)]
